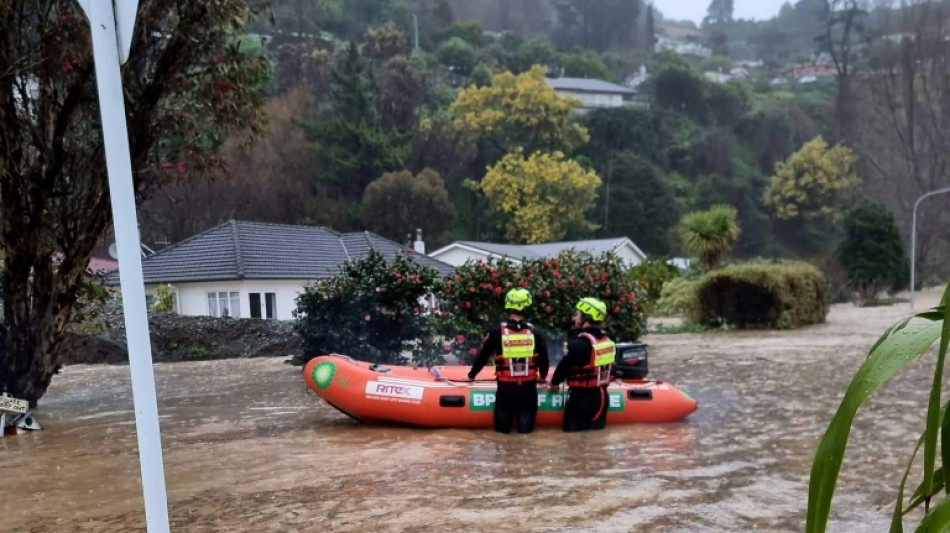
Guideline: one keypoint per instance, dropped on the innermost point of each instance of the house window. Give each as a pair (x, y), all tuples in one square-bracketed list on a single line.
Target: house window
[(224, 304), (263, 305)]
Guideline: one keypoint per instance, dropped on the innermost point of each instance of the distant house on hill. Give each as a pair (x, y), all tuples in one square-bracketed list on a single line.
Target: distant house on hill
[(459, 252), (683, 48), (593, 93), (256, 270)]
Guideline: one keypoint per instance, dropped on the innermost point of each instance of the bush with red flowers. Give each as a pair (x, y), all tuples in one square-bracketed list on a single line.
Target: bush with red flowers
[(473, 299), (372, 310)]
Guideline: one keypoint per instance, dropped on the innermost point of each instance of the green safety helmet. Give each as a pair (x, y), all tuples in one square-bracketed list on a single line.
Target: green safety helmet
[(594, 309), (518, 300)]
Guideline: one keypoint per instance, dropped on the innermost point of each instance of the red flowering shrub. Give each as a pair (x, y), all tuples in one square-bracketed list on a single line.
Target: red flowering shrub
[(371, 311), (473, 299)]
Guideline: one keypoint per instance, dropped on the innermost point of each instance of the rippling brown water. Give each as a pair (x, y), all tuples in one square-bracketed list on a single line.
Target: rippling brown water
[(247, 449)]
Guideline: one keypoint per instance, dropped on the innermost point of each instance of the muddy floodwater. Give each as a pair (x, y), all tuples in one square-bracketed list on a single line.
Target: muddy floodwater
[(247, 449)]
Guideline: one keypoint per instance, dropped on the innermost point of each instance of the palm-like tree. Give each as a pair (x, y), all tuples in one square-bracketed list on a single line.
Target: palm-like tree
[(709, 234)]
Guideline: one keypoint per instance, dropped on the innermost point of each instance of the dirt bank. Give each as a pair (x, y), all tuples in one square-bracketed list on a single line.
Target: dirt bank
[(186, 338)]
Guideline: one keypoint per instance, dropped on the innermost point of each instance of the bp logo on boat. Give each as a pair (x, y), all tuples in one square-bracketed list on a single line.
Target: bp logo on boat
[(323, 374)]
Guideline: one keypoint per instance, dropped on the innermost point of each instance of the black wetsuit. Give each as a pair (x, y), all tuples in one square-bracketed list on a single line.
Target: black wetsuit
[(586, 407), (514, 402)]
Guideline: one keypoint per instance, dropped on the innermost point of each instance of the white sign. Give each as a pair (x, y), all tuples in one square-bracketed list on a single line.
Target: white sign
[(392, 390), (15, 405)]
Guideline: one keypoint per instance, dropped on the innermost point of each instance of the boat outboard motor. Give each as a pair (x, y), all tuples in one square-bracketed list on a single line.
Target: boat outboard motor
[(631, 362)]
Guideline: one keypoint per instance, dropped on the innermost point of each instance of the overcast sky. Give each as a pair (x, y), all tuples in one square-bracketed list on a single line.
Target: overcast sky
[(695, 10)]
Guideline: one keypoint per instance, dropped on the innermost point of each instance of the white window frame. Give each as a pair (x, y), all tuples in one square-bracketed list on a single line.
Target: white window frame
[(231, 301)]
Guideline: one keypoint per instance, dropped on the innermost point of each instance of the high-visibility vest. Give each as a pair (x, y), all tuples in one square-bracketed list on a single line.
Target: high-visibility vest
[(517, 361), (596, 372)]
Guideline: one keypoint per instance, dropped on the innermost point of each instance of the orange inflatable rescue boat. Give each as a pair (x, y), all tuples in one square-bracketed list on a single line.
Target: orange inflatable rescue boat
[(442, 396)]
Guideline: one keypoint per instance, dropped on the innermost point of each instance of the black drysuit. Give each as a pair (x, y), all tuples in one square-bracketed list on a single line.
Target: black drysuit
[(586, 407), (514, 402)]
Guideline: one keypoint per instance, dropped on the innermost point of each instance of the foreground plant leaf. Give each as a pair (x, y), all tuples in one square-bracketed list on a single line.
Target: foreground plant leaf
[(934, 420), (897, 347)]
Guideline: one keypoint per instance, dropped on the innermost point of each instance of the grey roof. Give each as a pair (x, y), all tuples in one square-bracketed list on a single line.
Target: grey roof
[(596, 247), (588, 85), (255, 250)]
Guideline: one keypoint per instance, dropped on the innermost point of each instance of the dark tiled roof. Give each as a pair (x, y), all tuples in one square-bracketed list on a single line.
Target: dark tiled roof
[(254, 250), (588, 85), (596, 247)]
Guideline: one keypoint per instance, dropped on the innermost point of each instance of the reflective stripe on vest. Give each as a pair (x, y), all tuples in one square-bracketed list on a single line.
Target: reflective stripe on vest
[(597, 370), (516, 362)]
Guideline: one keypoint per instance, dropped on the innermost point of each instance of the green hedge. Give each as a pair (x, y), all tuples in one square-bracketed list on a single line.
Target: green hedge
[(777, 295)]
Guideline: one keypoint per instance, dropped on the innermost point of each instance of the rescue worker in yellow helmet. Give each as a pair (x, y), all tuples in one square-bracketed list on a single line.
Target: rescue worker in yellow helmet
[(586, 367), (521, 359)]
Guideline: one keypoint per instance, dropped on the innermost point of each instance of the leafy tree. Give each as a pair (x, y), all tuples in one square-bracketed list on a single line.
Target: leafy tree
[(348, 19), (643, 131), (275, 182), (519, 111), (583, 64), (470, 32), (649, 32), (398, 203), (371, 310), (679, 88), (640, 205), (307, 63), (719, 42), (719, 12), (481, 75), (872, 251), (187, 85), (814, 182), (844, 25), (727, 103), (536, 52), (596, 24), (545, 194), (458, 55), (384, 42), (354, 147), (709, 234), (401, 92)]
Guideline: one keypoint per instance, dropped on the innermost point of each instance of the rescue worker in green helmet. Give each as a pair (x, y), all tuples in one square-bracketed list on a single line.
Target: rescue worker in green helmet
[(521, 359), (586, 367)]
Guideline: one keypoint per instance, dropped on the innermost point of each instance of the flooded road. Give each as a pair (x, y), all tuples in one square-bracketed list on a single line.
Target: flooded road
[(247, 449)]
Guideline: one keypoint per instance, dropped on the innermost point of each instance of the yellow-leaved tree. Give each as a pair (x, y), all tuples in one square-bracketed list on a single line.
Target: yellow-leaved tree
[(814, 182), (519, 112), (543, 193)]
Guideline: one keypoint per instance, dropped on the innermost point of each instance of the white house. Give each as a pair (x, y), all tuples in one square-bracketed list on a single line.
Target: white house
[(592, 93), (256, 270), (459, 252), (683, 48)]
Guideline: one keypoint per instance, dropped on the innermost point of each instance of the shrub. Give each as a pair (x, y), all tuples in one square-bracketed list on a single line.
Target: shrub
[(371, 310), (837, 276), (872, 252), (164, 300), (678, 299), (652, 275), (474, 297), (779, 295)]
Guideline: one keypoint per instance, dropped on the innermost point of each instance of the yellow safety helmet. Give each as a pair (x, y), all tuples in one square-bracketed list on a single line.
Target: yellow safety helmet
[(594, 309), (518, 299)]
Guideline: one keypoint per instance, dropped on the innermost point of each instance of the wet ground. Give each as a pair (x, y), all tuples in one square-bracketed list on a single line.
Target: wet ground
[(247, 449)]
